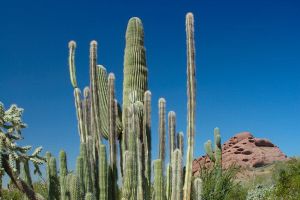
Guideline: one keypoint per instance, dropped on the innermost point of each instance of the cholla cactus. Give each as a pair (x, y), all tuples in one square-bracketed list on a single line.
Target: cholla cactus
[(216, 155), (11, 125)]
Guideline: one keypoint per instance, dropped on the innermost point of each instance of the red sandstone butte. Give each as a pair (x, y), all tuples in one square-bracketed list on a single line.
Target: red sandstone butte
[(246, 151)]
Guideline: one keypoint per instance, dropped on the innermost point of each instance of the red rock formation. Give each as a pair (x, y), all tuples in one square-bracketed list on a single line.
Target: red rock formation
[(246, 151)]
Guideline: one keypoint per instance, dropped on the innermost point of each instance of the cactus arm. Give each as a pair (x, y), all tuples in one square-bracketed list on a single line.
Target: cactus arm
[(209, 151), (191, 83), (218, 147), (72, 69)]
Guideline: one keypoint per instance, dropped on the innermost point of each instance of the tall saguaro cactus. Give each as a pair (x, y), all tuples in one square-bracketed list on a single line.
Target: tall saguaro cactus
[(135, 68), (112, 134), (135, 71), (162, 129), (158, 193), (147, 142), (191, 91), (172, 132), (177, 175)]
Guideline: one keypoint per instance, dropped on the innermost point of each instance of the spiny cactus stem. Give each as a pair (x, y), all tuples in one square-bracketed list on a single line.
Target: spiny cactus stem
[(191, 91), (147, 142), (162, 129), (172, 132), (95, 111), (77, 96), (112, 133), (72, 69), (180, 142)]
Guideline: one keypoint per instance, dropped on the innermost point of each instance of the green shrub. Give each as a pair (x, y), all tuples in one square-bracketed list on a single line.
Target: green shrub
[(227, 187), (286, 176)]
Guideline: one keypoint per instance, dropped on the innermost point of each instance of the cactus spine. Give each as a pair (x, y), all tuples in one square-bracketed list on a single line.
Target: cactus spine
[(191, 91), (162, 129)]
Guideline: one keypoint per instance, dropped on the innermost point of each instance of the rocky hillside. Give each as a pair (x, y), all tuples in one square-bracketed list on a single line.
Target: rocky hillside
[(246, 151)]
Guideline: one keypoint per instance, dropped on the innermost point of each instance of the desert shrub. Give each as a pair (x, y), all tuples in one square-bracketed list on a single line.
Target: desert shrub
[(260, 192), (286, 176), (221, 187), (14, 194)]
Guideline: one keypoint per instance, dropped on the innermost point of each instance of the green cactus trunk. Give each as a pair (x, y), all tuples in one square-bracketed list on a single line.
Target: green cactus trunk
[(180, 142), (63, 174), (147, 143), (191, 90), (53, 182), (162, 129), (177, 175), (103, 174), (75, 188), (135, 70), (197, 189), (172, 132), (169, 182), (158, 185), (112, 114)]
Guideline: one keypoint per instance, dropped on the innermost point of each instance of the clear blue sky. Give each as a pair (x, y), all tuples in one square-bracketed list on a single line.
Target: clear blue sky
[(248, 64)]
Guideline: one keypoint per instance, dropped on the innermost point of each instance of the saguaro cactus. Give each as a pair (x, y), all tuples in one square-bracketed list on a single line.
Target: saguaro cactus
[(172, 132), (135, 68), (112, 134), (191, 91), (168, 182), (158, 193), (216, 155), (75, 188), (197, 189), (103, 173), (180, 142), (53, 183), (162, 129), (147, 142), (177, 175), (63, 174), (135, 71)]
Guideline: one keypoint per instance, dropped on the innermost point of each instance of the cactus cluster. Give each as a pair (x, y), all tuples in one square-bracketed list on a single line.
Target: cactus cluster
[(98, 115), (106, 129)]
